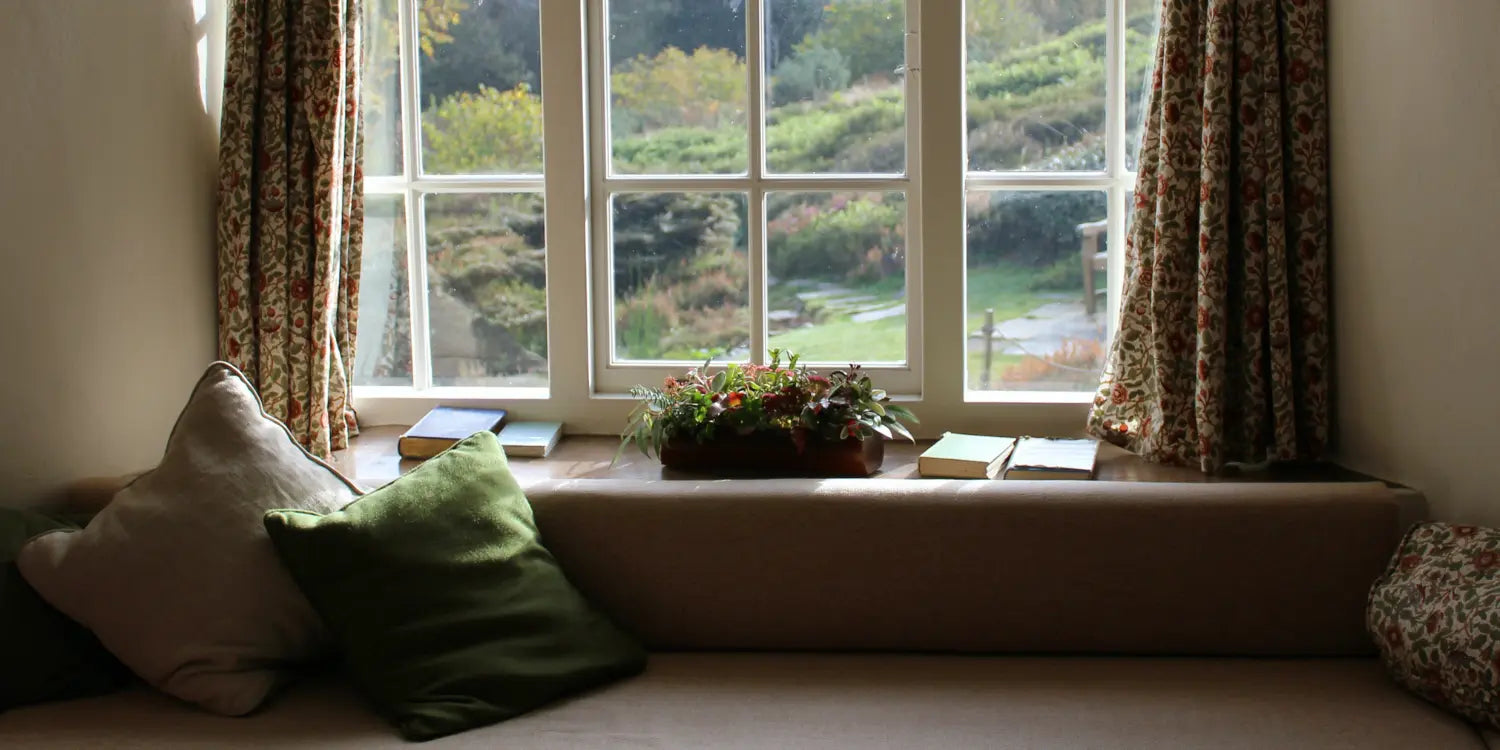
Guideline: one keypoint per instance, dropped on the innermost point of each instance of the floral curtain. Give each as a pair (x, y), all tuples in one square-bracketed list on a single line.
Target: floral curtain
[(290, 209), (1222, 353)]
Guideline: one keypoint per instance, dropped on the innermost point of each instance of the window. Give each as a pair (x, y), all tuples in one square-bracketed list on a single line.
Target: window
[(454, 278), (745, 207), (208, 29), (566, 199), (1048, 172)]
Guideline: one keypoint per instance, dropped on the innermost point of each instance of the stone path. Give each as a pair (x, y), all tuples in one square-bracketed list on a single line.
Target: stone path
[(1043, 330), (1038, 332)]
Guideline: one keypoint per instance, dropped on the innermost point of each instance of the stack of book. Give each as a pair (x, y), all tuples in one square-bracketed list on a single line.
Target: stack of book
[(957, 456), (444, 426)]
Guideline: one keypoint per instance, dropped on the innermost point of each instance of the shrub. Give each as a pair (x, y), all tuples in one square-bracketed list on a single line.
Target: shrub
[(1076, 364), (682, 150), (837, 134), (680, 315), (861, 239), (641, 324), (1064, 275), (484, 131), (486, 251), (1031, 228), (993, 27), (812, 73), (661, 233), (705, 89)]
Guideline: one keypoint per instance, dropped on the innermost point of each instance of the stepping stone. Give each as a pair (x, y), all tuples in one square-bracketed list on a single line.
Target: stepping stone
[(878, 314)]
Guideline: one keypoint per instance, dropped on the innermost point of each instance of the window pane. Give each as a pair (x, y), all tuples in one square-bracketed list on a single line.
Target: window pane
[(1036, 77), (1142, 21), (678, 87), (835, 94), (481, 87), (487, 289), (382, 347), (381, 90), (1027, 252), (681, 276), (837, 283)]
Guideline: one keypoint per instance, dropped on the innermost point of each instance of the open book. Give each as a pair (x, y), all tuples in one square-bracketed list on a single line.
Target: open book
[(1052, 458)]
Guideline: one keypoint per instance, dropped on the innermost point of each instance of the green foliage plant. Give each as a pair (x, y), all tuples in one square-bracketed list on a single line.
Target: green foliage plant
[(814, 72), (704, 89), (744, 399), (485, 131)]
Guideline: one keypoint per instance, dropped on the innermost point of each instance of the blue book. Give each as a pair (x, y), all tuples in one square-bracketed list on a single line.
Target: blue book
[(443, 427)]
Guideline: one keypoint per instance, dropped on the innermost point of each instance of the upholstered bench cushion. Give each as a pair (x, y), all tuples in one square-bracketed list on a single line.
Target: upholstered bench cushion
[(975, 566), (815, 701)]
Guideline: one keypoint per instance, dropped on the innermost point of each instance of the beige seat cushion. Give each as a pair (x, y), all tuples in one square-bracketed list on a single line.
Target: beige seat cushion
[(177, 577), (815, 701), (964, 566)]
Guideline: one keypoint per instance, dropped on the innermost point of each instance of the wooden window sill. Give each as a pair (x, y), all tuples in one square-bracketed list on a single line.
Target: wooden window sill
[(371, 460)]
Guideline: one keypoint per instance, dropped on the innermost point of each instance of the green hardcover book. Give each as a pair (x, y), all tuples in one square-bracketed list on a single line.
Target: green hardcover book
[(530, 439), (444, 426), (958, 456)]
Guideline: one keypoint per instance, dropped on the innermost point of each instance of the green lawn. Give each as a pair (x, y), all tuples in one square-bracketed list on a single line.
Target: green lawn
[(1004, 288), (843, 340)]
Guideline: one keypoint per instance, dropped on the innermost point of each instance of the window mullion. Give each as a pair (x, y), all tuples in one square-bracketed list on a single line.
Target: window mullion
[(600, 168), (1115, 116), (566, 139), (755, 67), (915, 289), (416, 241), (943, 164)]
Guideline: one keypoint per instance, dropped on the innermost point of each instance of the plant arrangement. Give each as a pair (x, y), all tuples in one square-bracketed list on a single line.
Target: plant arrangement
[(749, 399)]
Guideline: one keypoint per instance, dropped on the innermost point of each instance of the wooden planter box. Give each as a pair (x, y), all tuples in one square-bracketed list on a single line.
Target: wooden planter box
[(774, 454)]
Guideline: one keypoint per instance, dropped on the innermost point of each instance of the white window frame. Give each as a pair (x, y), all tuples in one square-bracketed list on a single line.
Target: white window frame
[(587, 392), (618, 376)]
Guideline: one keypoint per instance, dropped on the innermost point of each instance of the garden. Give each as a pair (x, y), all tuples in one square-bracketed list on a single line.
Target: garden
[(836, 102)]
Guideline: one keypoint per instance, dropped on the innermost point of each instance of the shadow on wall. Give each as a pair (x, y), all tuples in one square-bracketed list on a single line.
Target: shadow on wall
[(107, 176)]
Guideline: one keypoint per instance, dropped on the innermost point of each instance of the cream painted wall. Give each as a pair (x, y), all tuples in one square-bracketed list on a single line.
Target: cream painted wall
[(1415, 99), (106, 235)]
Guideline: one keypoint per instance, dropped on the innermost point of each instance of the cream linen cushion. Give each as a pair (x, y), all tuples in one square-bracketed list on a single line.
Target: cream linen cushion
[(177, 577)]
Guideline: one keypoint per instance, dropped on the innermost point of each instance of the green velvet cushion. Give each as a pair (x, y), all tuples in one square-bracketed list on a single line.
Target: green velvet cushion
[(448, 610), (44, 655)]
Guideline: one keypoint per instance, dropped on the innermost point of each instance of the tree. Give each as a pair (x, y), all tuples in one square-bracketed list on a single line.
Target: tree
[(496, 43), (643, 28), (869, 34), (381, 53), (788, 22)]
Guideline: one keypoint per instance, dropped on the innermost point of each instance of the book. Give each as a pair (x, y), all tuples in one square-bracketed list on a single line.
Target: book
[(958, 456), (530, 439), (1052, 458), (444, 426)]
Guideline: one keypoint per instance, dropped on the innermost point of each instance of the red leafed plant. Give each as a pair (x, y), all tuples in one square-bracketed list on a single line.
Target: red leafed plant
[(742, 399)]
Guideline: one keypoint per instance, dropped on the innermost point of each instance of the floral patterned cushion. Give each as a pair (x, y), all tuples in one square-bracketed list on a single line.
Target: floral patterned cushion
[(1435, 615)]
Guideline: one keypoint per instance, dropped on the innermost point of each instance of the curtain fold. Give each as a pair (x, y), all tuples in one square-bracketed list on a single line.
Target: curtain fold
[(1222, 350), (290, 211)]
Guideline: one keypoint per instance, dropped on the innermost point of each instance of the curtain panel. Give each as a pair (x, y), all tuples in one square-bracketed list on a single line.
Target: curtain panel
[(1222, 352), (290, 210)]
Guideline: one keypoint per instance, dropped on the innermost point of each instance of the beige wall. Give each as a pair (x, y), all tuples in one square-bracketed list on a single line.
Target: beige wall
[(1416, 203), (106, 231)]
